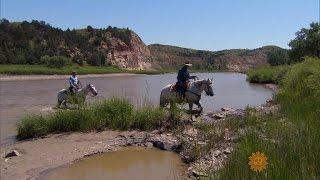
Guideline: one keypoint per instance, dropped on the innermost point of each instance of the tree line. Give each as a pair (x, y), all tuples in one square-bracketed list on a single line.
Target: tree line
[(32, 42), (306, 43)]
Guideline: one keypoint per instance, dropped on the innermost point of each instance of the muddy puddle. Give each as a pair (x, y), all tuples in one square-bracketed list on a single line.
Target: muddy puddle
[(131, 163)]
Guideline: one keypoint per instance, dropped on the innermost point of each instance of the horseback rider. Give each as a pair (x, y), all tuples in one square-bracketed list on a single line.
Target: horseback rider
[(74, 83), (183, 79)]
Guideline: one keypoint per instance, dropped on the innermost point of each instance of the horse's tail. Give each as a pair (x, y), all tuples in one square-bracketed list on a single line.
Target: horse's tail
[(162, 100), (164, 96), (61, 96)]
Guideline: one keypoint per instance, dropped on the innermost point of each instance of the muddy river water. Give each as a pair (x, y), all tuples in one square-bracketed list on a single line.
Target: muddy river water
[(19, 98)]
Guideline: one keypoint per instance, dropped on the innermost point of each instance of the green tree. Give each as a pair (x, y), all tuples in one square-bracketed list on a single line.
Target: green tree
[(78, 59), (3, 58), (55, 61), (89, 28), (306, 43), (278, 57), (102, 59)]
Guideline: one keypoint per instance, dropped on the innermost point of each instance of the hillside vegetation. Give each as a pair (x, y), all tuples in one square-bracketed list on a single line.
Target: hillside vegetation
[(38, 43), (231, 60)]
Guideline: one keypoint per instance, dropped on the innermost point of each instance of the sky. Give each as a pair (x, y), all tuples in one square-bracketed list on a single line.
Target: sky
[(198, 24)]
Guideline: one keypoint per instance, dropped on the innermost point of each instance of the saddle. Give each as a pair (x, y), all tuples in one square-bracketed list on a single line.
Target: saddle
[(68, 92), (175, 86)]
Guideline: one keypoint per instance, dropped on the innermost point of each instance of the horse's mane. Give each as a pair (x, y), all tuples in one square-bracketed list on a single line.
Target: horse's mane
[(198, 83)]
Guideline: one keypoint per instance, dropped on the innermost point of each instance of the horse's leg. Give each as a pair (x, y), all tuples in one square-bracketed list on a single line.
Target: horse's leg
[(58, 104), (162, 101), (64, 102), (190, 110), (200, 108)]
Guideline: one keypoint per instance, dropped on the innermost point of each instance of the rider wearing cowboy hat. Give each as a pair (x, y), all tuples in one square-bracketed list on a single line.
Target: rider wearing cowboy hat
[(183, 78), (74, 83)]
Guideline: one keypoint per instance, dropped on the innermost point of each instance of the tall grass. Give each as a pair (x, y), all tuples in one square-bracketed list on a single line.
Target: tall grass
[(289, 139), (15, 69), (41, 69), (267, 75), (148, 118), (114, 113), (44, 70)]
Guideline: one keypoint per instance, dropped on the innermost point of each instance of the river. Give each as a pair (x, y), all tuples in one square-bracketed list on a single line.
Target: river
[(20, 98)]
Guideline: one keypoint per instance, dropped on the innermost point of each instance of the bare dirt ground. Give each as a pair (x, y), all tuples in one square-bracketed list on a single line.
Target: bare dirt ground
[(56, 150)]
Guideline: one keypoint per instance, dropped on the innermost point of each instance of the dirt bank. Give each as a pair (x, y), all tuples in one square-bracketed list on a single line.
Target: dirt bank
[(56, 150), (45, 77), (41, 155)]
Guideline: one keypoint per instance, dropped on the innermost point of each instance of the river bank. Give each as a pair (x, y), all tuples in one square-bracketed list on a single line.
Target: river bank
[(32, 70), (45, 154), (49, 77), (202, 145)]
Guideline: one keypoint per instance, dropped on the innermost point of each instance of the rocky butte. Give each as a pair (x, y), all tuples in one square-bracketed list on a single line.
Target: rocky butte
[(26, 42)]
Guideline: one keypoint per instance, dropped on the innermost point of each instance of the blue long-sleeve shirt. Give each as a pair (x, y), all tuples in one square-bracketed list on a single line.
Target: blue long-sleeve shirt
[(183, 75), (73, 81)]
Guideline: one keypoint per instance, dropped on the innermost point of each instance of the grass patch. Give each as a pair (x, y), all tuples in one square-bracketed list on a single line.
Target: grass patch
[(44, 70), (148, 118), (272, 74), (14, 69), (290, 139), (114, 114)]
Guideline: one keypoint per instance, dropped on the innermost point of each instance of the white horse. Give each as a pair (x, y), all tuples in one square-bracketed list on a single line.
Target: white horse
[(63, 95), (193, 94)]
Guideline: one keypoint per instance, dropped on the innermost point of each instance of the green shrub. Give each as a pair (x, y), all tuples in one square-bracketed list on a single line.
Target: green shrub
[(32, 126), (115, 113), (55, 61), (278, 57), (267, 75), (148, 118), (71, 120), (290, 139)]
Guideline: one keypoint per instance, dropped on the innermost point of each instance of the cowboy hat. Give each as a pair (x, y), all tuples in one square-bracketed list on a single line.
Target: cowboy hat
[(188, 64)]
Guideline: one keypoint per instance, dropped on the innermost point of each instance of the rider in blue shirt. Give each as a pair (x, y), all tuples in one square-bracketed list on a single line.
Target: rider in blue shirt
[(183, 78), (74, 83)]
